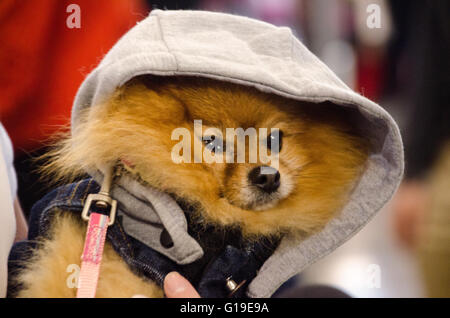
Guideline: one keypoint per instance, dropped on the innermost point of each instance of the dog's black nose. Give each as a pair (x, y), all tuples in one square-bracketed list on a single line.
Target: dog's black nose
[(265, 178)]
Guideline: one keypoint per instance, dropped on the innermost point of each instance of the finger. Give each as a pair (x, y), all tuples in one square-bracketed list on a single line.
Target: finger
[(176, 286)]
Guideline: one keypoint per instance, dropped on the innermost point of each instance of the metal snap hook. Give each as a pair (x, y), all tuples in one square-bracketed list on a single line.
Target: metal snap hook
[(102, 199)]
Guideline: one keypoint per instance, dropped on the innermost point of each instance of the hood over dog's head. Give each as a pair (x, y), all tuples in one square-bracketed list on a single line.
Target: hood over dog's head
[(179, 79)]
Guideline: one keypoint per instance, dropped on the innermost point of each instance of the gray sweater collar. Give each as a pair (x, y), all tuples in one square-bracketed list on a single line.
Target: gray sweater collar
[(146, 213)]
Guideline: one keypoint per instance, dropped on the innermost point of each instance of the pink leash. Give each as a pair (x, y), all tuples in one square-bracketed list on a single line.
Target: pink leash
[(94, 243), (92, 255)]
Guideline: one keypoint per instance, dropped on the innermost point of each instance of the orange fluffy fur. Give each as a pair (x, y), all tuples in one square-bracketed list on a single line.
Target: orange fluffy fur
[(49, 274), (320, 161)]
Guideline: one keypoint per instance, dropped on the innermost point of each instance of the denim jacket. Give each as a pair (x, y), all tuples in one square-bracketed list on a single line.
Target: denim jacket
[(224, 256)]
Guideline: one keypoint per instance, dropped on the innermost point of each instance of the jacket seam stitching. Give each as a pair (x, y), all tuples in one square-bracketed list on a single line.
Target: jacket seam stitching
[(161, 34)]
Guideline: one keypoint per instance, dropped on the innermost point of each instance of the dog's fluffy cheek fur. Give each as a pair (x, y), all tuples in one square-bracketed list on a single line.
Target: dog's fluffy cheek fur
[(46, 273)]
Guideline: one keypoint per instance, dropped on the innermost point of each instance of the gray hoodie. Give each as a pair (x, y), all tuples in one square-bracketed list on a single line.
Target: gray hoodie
[(253, 53)]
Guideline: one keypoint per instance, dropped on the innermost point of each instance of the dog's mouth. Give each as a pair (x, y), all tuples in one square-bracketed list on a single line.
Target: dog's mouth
[(263, 201), (253, 199)]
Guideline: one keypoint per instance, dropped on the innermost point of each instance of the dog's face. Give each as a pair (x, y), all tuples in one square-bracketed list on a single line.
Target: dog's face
[(318, 156)]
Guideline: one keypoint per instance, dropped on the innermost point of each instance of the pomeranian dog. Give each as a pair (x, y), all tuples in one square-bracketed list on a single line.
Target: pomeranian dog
[(320, 157)]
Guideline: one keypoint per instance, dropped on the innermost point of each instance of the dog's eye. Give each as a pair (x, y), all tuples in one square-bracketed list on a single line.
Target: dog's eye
[(275, 141), (214, 143)]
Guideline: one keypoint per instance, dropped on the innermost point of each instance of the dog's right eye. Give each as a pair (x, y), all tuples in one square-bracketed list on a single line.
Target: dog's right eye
[(275, 141), (214, 143)]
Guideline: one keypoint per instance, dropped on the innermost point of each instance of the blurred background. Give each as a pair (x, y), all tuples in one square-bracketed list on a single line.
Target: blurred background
[(394, 52)]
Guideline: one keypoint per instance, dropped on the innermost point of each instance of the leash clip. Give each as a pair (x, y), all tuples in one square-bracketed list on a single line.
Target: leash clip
[(102, 199)]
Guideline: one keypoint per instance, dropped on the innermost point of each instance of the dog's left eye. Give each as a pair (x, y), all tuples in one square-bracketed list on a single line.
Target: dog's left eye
[(275, 141), (214, 143)]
